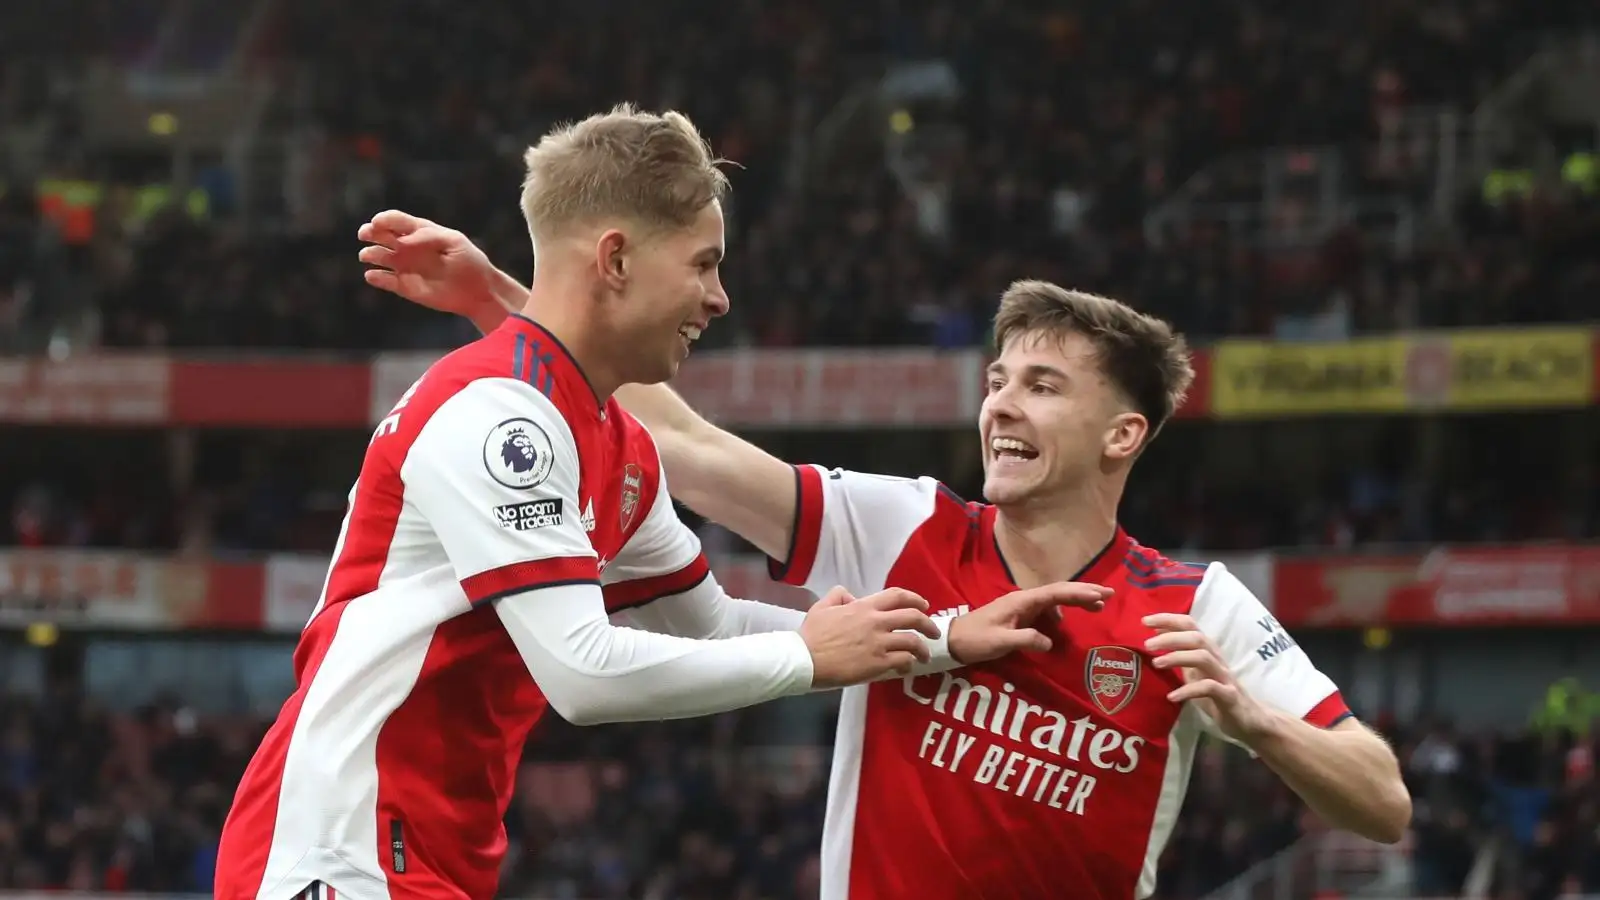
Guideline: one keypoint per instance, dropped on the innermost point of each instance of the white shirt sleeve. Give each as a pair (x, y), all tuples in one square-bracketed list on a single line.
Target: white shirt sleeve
[(1266, 661), (850, 528), (495, 473)]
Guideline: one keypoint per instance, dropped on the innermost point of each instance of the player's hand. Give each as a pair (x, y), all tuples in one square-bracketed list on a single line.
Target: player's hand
[(1208, 680), (1010, 623), (427, 263), (854, 641)]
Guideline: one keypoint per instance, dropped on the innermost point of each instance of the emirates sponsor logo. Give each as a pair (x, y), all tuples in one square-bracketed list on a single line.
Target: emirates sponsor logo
[(1022, 748)]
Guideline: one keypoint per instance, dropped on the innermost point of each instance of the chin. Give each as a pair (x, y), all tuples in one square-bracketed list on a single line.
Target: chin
[(1001, 491), (656, 374)]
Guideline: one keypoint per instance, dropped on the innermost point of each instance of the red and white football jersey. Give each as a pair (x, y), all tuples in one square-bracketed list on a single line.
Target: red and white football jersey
[(389, 770), (1034, 776)]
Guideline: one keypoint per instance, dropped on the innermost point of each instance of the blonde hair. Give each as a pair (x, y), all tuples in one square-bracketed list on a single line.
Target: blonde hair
[(1140, 355), (654, 169)]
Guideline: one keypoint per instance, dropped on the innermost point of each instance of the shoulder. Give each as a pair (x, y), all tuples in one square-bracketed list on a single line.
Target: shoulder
[(952, 523), (1150, 568), (492, 375), (1162, 583), (919, 497), (475, 398)]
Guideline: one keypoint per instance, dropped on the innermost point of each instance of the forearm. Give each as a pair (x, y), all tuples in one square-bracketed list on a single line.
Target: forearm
[(707, 612), (1347, 775), (752, 617), (717, 474), (508, 296), (690, 446), (593, 671)]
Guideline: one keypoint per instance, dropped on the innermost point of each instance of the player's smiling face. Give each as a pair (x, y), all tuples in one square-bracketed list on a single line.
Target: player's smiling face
[(675, 289), (1044, 419)]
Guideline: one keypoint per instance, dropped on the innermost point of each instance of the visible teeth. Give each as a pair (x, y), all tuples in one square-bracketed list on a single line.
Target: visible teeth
[(690, 332), (1002, 444)]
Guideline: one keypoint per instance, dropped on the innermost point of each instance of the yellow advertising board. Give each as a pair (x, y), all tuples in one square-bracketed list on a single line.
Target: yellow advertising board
[(1482, 369), (1264, 379), (1510, 368)]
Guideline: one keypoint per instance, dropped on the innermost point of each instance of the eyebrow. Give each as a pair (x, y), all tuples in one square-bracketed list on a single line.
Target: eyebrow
[(710, 254), (1035, 371)]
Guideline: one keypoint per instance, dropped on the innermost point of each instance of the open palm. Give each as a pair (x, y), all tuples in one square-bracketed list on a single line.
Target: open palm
[(424, 262)]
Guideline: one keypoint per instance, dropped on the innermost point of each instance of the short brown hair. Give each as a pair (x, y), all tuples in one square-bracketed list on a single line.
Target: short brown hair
[(1140, 355), (625, 163)]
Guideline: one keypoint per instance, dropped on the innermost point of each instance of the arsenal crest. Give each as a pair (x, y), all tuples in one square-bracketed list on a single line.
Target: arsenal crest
[(1112, 674), (632, 485)]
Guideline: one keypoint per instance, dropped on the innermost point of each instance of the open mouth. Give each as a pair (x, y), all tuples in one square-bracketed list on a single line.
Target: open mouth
[(690, 334), (1011, 450)]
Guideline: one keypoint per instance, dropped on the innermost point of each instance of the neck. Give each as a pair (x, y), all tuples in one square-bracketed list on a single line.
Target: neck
[(1053, 540), (552, 302)]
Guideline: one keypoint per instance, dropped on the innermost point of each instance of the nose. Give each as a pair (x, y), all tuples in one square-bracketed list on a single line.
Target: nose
[(717, 303), (1001, 405)]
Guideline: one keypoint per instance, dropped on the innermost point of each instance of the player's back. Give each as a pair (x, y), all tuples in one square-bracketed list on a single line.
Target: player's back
[(394, 759)]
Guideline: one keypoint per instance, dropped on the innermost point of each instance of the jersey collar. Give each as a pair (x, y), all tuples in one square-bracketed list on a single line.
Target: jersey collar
[(1099, 568), (549, 351)]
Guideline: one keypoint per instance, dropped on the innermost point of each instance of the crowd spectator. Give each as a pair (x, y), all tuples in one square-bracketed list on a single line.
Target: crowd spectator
[(1066, 130), (131, 801)]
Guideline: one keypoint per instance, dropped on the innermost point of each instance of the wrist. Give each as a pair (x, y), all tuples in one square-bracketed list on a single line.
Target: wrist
[(506, 294), (1269, 732), (953, 631)]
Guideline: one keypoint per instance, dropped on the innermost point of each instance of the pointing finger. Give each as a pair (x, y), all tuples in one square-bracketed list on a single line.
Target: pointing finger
[(1033, 601)]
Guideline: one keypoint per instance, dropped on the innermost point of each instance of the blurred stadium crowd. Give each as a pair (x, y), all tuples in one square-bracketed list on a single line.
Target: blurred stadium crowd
[(131, 801), (1075, 125)]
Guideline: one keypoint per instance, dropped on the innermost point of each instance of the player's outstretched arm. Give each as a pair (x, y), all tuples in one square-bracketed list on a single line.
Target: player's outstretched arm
[(717, 474), (498, 451), (663, 562)]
